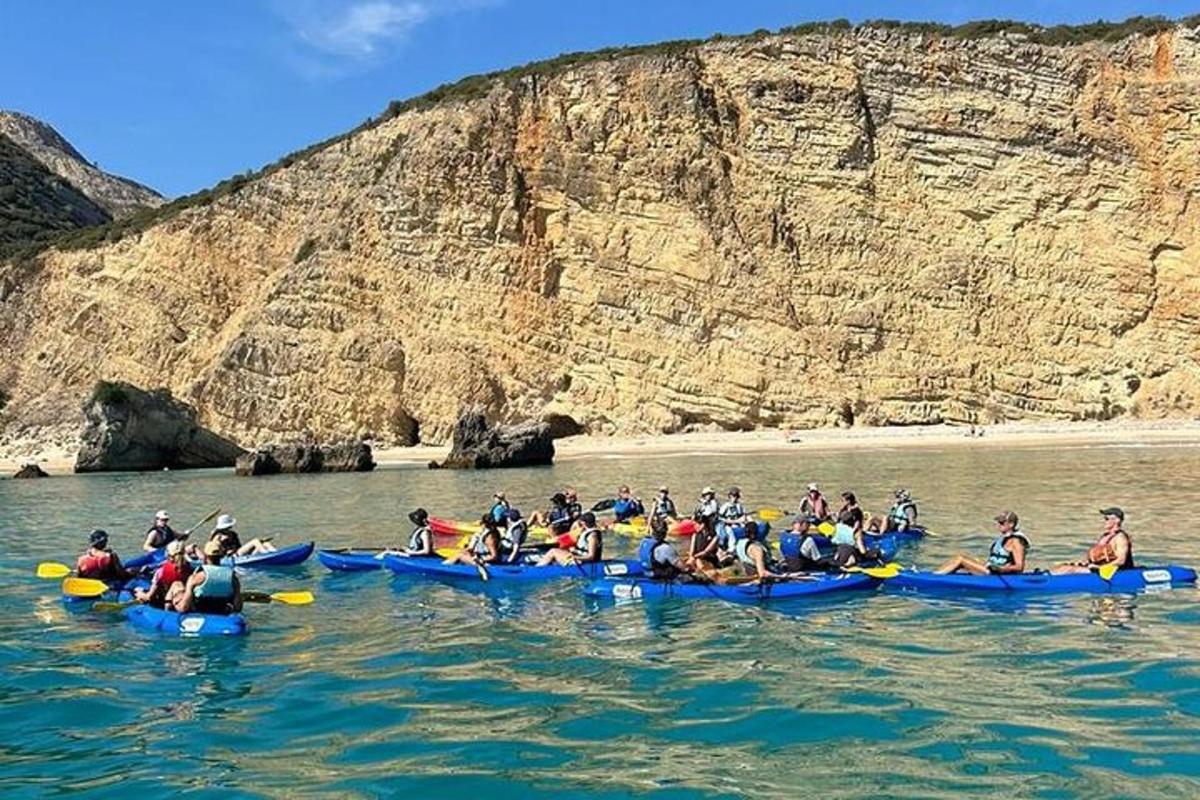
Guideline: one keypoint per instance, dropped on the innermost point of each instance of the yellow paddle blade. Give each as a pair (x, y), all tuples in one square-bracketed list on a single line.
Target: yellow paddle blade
[(882, 573), (51, 569), (293, 598), (84, 587), (1107, 571), (826, 529), (770, 514)]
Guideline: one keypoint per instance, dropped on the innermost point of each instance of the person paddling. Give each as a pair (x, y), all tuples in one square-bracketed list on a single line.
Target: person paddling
[(161, 533), (484, 547), (213, 588), (1114, 546), (903, 513), (167, 585), (663, 506), (814, 504), (231, 542), (627, 506), (1006, 556), (588, 547), (100, 562), (420, 541)]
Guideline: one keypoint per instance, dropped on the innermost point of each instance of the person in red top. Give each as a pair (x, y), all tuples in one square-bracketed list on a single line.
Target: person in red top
[(168, 583), (99, 562)]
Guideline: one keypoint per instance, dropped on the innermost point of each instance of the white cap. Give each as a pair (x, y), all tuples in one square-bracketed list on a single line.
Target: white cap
[(224, 522), (160, 514), (812, 487)]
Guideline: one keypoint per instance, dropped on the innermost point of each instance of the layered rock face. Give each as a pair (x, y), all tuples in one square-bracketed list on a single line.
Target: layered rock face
[(306, 457), (870, 227), (116, 195)]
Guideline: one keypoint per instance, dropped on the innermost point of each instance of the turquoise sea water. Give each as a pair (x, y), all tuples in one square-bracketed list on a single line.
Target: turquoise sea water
[(391, 686)]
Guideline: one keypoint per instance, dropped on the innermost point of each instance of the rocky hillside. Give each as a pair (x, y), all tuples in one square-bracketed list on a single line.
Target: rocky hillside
[(35, 203), (868, 226), (116, 195)]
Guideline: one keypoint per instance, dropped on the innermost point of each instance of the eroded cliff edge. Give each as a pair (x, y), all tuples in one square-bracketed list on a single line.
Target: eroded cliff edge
[(873, 225)]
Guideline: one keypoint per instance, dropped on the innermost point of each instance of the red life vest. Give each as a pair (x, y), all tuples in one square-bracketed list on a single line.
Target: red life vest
[(93, 565), (170, 572), (1104, 553)]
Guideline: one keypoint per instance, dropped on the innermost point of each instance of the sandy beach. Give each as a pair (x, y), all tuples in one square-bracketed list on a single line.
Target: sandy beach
[(59, 459)]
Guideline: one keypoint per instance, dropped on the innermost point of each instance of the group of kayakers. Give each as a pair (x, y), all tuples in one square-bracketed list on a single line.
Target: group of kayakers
[(190, 578)]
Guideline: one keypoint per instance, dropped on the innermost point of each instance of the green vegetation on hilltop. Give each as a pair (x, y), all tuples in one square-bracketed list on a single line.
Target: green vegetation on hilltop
[(35, 204), (475, 86)]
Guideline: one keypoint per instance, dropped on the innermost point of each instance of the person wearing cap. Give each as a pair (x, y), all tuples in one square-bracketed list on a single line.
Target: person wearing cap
[(664, 507), (626, 506), (903, 513), (484, 546), (161, 533), (557, 519), (1113, 547), (814, 504), (574, 508), (810, 557), (231, 542), (1006, 556), (99, 561), (499, 509), (703, 543), (420, 541), (167, 585), (753, 552), (733, 522), (588, 547), (659, 558), (213, 588), (512, 538)]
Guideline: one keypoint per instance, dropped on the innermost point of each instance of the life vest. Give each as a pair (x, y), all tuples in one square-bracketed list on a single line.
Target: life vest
[(584, 542), (418, 539), (647, 551), (1104, 553), (733, 510), (478, 544), (999, 555), (664, 507), (514, 536), (95, 565), (559, 519), (625, 509), (843, 534), (161, 537), (743, 551), (706, 511), (218, 583), (499, 511), (170, 572), (814, 508), (899, 512)]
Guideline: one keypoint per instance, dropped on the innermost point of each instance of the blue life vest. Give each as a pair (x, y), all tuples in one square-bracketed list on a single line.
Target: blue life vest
[(499, 511), (417, 540), (999, 555), (559, 519), (625, 509), (218, 583), (646, 554)]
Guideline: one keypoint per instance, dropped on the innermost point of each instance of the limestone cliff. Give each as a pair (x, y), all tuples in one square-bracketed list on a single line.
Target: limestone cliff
[(873, 226), (116, 195)]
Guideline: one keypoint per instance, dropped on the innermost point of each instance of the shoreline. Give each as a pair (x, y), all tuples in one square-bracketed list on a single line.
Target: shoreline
[(57, 460)]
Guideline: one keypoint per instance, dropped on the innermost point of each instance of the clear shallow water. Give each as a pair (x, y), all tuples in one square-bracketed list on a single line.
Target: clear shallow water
[(389, 685)]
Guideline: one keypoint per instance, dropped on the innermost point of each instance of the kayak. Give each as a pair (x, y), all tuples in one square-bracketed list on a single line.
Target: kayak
[(1126, 580), (449, 527), (685, 527), (434, 568), (349, 560), (816, 583), (887, 544), (172, 622), (283, 557)]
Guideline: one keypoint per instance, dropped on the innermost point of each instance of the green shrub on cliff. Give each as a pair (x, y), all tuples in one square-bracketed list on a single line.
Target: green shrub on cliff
[(109, 393)]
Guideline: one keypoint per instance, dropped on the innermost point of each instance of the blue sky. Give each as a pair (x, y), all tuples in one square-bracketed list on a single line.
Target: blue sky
[(182, 94)]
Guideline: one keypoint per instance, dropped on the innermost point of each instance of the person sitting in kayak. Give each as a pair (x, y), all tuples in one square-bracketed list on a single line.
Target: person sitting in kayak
[(814, 504), (752, 551), (848, 536), (99, 562), (484, 546), (420, 541), (213, 588), (557, 519), (574, 507), (500, 506), (167, 585), (704, 541), (1113, 547), (513, 538), (663, 506), (903, 513), (733, 523), (588, 547), (231, 543), (659, 558), (627, 506), (161, 533), (1006, 556), (707, 510), (809, 558)]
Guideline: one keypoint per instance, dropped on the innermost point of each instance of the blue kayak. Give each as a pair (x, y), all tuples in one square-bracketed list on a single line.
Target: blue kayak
[(816, 583), (283, 557), (172, 622), (1126, 580), (350, 560), (434, 568), (887, 544)]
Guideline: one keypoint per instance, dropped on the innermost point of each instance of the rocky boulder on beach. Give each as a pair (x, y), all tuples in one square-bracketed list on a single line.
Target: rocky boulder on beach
[(274, 459), (476, 445)]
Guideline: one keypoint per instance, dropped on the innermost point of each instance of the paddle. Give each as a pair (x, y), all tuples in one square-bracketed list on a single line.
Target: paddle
[(771, 514), (604, 505), (482, 570), (84, 587), (1107, 571), (52, 569), (287, 598), (882, 573)]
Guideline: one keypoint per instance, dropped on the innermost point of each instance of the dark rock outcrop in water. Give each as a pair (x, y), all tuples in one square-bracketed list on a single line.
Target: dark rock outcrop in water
[(275, 459), (31, 471), (132, 429), (477, 445)]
